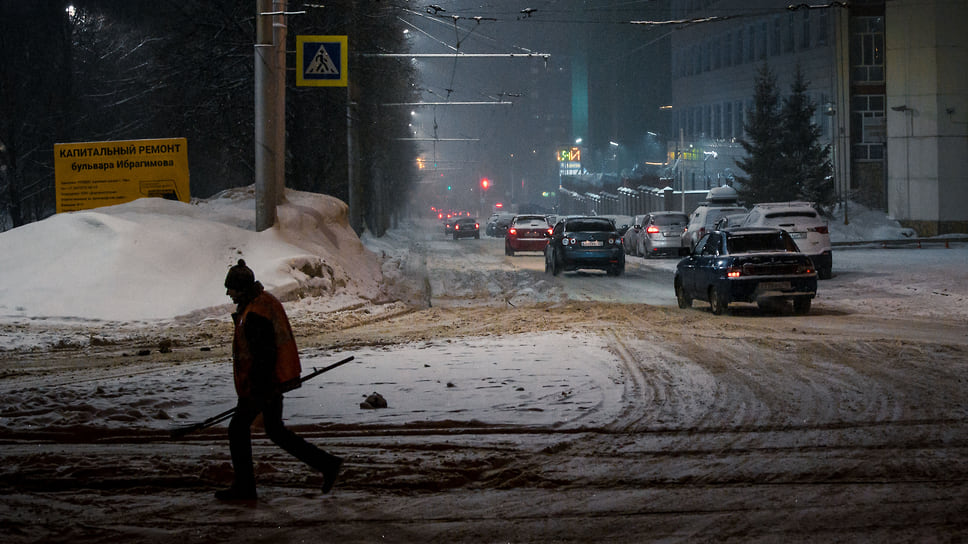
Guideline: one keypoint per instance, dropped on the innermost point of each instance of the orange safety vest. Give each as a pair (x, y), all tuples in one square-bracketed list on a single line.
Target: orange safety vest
[(287, 356)]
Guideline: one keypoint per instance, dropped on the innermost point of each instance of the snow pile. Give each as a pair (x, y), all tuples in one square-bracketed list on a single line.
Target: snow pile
[(865, 224), (155, 258)]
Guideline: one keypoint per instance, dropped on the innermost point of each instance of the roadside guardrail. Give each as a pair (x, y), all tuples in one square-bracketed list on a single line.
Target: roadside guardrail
[(906, 243)]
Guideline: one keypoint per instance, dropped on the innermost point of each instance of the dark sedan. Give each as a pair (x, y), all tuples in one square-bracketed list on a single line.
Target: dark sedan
[(761, 265), (466, 227), (585, 242)]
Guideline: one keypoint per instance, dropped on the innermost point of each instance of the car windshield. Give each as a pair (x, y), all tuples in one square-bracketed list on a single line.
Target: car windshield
[(791, 217), (760, 241), (531, 222), (791, 213), (589, 225), (664, 220), (715, 215)]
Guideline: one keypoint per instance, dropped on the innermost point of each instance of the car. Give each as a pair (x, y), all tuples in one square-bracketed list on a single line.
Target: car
[(630, 239), (807, 227), (497, 225), (466, 227), (704, 218), (661, 234), (448, 224), (527, 233), (585, 243), (746, 264), (622, 222)]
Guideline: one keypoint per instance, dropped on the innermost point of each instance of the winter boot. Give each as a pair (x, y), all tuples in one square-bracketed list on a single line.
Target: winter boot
[(330, 473)]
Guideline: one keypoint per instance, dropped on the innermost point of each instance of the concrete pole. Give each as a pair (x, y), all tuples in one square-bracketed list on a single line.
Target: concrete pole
[(279, 103), (265, 198), (682, 172), (353, 187)]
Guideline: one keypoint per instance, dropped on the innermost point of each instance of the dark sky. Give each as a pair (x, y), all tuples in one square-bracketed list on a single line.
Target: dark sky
[(627, 81)]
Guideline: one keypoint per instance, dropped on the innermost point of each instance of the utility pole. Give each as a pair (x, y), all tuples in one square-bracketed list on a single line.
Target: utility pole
[(270, 110), (682, 175)]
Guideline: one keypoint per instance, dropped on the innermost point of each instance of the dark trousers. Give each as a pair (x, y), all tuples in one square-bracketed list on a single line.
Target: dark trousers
[(240, 439)]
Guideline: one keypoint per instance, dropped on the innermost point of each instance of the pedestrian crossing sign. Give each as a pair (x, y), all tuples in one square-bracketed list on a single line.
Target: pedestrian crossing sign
[(321, 61)]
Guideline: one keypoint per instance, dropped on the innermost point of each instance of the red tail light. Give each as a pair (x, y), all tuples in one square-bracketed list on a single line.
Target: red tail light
[(733, 272), (512, 231), (652, 229), (477, 225)]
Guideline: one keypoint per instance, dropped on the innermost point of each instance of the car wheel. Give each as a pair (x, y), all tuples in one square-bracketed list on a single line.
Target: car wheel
[(801, 305), (477, 236), (455, 237), (718, 302), (825, 273), (555, 267), (508, 250), (684, 300)]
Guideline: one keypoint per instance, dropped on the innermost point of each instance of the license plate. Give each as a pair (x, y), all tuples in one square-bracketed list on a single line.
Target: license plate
[(775, 286), (591, 243), (798, 235)]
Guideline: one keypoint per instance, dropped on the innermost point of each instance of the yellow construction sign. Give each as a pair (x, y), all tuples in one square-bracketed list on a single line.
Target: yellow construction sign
[(93, 174)]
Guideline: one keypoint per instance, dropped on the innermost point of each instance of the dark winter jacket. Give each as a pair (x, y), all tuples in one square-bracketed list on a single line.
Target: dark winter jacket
[(263, 349)]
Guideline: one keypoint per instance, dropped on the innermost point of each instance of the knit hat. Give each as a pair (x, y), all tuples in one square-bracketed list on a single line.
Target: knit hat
[(240, 277)]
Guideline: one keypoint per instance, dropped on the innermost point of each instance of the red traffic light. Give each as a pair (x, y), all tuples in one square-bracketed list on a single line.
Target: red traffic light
[(485, 183)]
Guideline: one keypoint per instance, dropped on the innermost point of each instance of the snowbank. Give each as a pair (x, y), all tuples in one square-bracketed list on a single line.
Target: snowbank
[(155, 258)]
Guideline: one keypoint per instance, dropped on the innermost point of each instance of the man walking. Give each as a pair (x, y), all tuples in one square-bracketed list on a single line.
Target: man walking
[(264, 357)]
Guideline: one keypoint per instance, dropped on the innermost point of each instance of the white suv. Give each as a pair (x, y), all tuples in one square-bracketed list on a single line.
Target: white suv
[(807, 228), (703, 220)]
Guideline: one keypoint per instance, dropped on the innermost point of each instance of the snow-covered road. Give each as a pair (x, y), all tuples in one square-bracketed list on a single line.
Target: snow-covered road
[(523, 407)]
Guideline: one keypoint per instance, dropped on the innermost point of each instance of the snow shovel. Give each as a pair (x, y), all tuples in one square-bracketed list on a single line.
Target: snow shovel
[(180, 432)]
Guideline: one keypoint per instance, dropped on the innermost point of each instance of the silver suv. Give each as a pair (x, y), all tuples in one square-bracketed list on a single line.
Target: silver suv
[(662, 233), (807, 228)]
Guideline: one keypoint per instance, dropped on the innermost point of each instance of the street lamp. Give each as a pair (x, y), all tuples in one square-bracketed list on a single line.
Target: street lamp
[(706, 155), (830, 110), (613, 149)]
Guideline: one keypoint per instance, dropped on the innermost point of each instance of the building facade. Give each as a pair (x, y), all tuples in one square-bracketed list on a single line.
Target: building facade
[(858, 61), (927, 129)]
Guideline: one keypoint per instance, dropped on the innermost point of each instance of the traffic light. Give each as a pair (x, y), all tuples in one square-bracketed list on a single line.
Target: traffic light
[(485, 183), (448, 187)]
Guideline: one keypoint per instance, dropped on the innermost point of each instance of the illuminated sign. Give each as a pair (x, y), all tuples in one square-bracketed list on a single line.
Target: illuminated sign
[(321, 61), (94, 174), (572, 154)]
